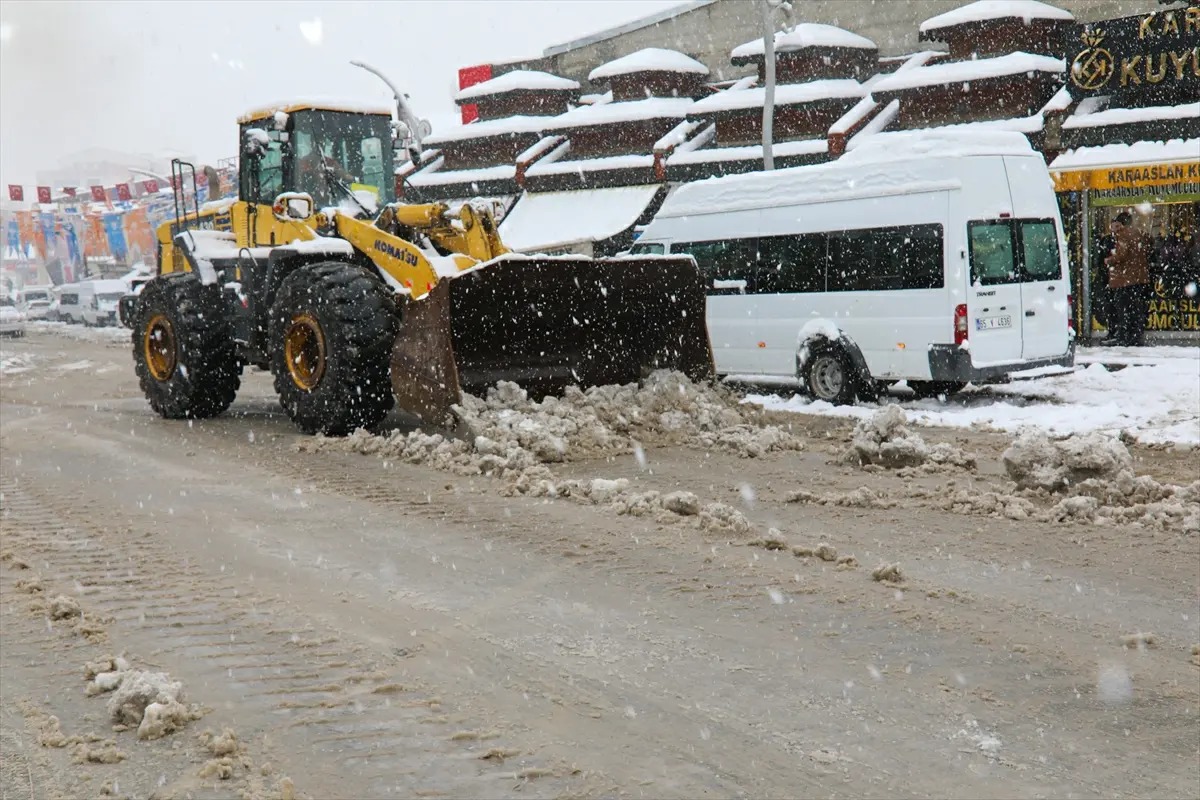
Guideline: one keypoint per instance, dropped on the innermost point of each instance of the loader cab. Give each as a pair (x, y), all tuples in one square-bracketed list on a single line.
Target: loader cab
[(313, 148)]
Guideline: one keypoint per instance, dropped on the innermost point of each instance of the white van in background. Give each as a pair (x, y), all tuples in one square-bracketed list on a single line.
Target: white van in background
[(90, 302), (937, 259)]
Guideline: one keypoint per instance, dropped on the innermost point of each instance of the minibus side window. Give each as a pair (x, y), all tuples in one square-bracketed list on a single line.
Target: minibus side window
[(728, 260), (648, 248), (792, 264), (992, 256), (1039, 246)]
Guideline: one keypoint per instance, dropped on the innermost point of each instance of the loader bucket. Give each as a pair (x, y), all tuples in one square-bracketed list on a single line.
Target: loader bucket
[(546, 323)]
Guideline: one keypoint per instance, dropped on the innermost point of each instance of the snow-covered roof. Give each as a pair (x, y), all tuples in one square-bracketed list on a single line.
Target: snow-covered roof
[(986, 10), (491, 127), (519, 80), (651, 59), (357, 106), (631, 111), (785, 94), (500, 172), (752, 152), (879, 167), (1084, 117), (806, 34), (964, 71), (1115, 155), (551, 220)]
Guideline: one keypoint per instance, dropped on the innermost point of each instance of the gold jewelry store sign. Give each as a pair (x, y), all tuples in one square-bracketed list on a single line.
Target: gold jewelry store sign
[(1117, 185), (1155, 57)]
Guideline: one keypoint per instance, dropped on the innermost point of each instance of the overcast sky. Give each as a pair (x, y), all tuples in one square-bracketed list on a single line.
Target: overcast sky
[(154, 75)]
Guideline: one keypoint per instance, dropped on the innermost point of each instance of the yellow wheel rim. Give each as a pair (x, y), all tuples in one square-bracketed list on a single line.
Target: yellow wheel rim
[(158, 345), (304, 351)]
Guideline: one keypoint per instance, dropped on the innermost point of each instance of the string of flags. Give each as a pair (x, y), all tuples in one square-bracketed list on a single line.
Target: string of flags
[(121, 192)]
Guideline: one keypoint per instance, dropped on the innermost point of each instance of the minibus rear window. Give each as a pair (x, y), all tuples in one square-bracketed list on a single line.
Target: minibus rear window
[(992, 257)]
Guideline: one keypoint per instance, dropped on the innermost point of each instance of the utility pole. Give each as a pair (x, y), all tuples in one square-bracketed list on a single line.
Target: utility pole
[(768, 119)]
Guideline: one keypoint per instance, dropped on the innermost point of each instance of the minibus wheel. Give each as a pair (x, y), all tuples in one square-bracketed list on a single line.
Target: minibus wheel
[(829, 375)]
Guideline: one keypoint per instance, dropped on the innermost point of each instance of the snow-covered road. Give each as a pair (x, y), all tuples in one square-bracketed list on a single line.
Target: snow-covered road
[(1150, 392)]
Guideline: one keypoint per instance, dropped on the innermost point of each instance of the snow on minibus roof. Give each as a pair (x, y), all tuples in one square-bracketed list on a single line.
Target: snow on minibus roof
[(889, 163)]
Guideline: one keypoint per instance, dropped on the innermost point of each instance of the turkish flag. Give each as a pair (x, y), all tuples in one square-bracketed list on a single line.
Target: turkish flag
[(16, 192), (469, 76), (150, 186), (69, 191), (43, 194), (98, 194), (123, 192)]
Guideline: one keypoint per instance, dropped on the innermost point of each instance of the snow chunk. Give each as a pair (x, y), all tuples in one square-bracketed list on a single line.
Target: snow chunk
[(518, 80), (625, 111), (63, 607), (1083, 118), (152, 701), (1035, 461), (985, 10), (650, 59), (886, 440), (804, 35)]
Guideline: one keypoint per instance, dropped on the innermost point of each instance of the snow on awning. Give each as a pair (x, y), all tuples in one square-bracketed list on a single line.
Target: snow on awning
[(1119, 155), (805, 35), (1084, 117), (551, 220), (785, 94), (519, 80), (988, 10), (966, 71), (651, 59), (500, 172)]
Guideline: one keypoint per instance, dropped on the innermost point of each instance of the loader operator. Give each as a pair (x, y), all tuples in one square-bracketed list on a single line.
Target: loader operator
[(314, 168)]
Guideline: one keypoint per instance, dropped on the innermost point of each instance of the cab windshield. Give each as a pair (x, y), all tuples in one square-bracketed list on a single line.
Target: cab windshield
[(332, 146)]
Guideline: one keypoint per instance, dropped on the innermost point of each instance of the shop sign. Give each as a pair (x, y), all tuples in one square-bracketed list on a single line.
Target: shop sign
[(1173, 313), (1134, 180), (1153, 55)]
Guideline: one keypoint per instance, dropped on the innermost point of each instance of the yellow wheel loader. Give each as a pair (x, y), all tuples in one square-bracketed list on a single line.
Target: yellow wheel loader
[(356, 303)]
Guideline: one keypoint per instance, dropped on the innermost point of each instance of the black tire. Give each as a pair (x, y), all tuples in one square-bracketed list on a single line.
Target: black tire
[(927, 389), (183, 348), (830, 375), (339, 322)]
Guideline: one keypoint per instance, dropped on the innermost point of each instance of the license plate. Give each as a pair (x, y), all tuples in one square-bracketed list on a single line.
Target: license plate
[(992, 323)]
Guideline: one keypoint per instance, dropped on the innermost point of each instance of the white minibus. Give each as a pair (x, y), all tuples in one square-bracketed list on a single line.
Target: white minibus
[(933, 258)]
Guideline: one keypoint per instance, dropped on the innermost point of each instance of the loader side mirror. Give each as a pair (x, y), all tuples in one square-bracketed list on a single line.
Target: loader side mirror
[(255, 142), (293, 207)]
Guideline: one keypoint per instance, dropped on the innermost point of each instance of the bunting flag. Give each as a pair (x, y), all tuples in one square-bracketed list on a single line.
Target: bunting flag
[(98, 194), (27, 230), (43, 194), (150, 186), (70, 191), (114, 232), (44, 234), (123, 192), (69, 226), (95, 243), (138, 236), (14, 235), (16, 193)]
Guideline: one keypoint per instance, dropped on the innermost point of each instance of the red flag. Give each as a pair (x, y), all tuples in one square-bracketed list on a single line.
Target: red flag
[(69, 191), (469, 76), (98, 194), (43, 194), (150, 186), (123, 192), (16, 192)]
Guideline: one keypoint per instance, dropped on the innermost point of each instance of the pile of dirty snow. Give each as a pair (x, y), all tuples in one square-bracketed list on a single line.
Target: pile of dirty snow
[(149, 701), (884, 439), (513, 438), (1035, 461)]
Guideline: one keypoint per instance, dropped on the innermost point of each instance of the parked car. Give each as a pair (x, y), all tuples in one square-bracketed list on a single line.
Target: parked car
[(938, 266), (12, 319), (37, 309), (91, 302)]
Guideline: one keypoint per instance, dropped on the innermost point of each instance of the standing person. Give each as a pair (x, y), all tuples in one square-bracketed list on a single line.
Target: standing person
[(1128, 281)]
